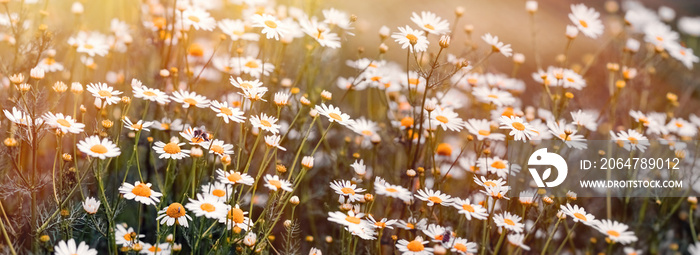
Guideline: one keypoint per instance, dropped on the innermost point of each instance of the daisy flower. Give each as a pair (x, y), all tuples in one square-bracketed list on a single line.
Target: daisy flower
[(173, 214), (104, 92), (70, 248), (684, 55), (587, 20), (434, 231), (632, 251), (616, 231), (245, 84), (497, 166), (218, 147), (482, 130), (265, 122), (497, 192), (271, 26), (236, 30), (188, 99), (64, 123), (517, 240), (578, 214), (364, 127), (138, 126), (254, 67), (413, 223), (171, 150), (447, 119), (464, 206), (351, 219), (338, 18), (381, 224), (208, 206), (333, 114), (431, 23), (519, 129), (254, 94), (661, 35), (153, 249), (49, 65), (141, 192), (196, 18), (412, 39), (682, 127), (347, 190), (146, 93), (463, 246), (91, 205), (20, 118), (226, 112), (493, 96), (496, 45), (567, 133), (233, 177), (274, 183), (236, 217), (585, 119), (359, 167), (90, 43), (383, 188), (320, 32), (509, 221), (434, 197), (165, 124), (273, 141), (415, 247), (195, 136), (631, 140), (483, 182), (123, 235), (94, 147), (218, 189)]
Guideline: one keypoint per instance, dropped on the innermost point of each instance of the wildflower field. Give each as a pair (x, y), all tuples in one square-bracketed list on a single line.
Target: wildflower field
[(333, 127)]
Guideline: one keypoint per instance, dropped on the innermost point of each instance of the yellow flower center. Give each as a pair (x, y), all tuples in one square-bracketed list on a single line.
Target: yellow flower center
[(519, 126), (442, 119), (392, 190), (88, 46), (217, 149), (234, 177), (99, 149), (270, 24), (149, 93), (633, 140), (219, 193), (412, 38), (127, 237), (347, 190), (428, 26), (207, 207), (175, 210), (251, 64), (335, 116), (154, 249), (415, 246), (580, 216), (460, 247), (484, 132), (63, 122), (141, 190), (275, 183), (194, 19), (509, 222), (435, 199), (165, 126), (613, 233), (352, 219), (498, 164), (104, 93), (367, 132), (490, 184), (468, 208), (413, 81), (171, 148), (265, 123), (380, 224), (236, 215), (583, 23), (137, 126), (190, 101), (247, 85)]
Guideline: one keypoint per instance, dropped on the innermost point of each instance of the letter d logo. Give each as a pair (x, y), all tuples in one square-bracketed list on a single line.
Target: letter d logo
[(543, 158)]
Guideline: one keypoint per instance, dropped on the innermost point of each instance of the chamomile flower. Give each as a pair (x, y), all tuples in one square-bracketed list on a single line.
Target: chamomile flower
[(174, 214), (188, 99), (138, 126), (567, 133), (271, 26), (415, 247), (166, 124), (383, 223), (273, 141), (519, 129), (236, 217), (254, 67), (587, 20), (91, 205), (245, 84), (218, 189), (482, 130), (682, 127), (20, 118), (631, 140), (64, 123), (684, 55), (497, 192), (94, 147), (226, 112), (447, 119), (274, 183), (431, 23), (364, 127), (219, 147), (170, 150), (104, 92), (351, 219), (661, 35), (509, 221), (578, 214), (146, 93), (90, 43), (208, 206), (141, 192), (413, 224), (359, 167), (585, 119), (497, 46), (233, 177), (616, 231), (434, 197), (463, 246), (411, 38), (469, 209), (383, 188), (496, 165), (333, 114), (321, 33), (195, 136), (517, 240), (493, 96), (196, 18), (236, 30), (160, 248), (348, 191), (70, 248), (435, 232), (265, 122), (126, 236)]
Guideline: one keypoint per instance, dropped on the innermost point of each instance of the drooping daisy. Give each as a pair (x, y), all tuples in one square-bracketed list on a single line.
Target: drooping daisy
[(70, 248), (104, 92), (174, 214), (170, 150), (273, 141), (233, 177), (348, 191), (631, 140), (141, 192), (469, 209), (333, 114), (497, 46), (411, 38), (208, 206), (519, 129), (236, 217), (196, 18), (271, 26), (616, 231), (274, 183), (245, 84), (509, 221), (463, 246), (188, 99), (138, 126), (431, 23), (381, 187), (94, 147), (434, 197), (482, 130), (381, 224), (517, 240), (126, 236), (447, 119), (150, 94), (415, 247), (578, 214), (219, 147), (64, 123), (226, 112), (91, 205), (265, 122), (587, 20)]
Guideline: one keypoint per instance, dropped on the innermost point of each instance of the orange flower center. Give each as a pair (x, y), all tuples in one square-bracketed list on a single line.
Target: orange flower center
[(154, 249), (207, 207), (484, 132), (428, 26), (442, 119), (251, 64), (175, 210), (190, 101), (234, 177), (236, 215), (171, 148), (352, 219), (63, 122), (104, 93), (519, 126), (415, 246), (99, 149), (613, 233), (275, 183), (468, 208), (392, 190), (580, 216), (347, 190), (498, 164), (335, 116), (265, 123), (380, 224), (141, 190), (583, 23), (435, 199), (149, 93), (509, 222), (367, 132), (219, 193), (460, 247), (217, 149), (270, 24), (412, 38)]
